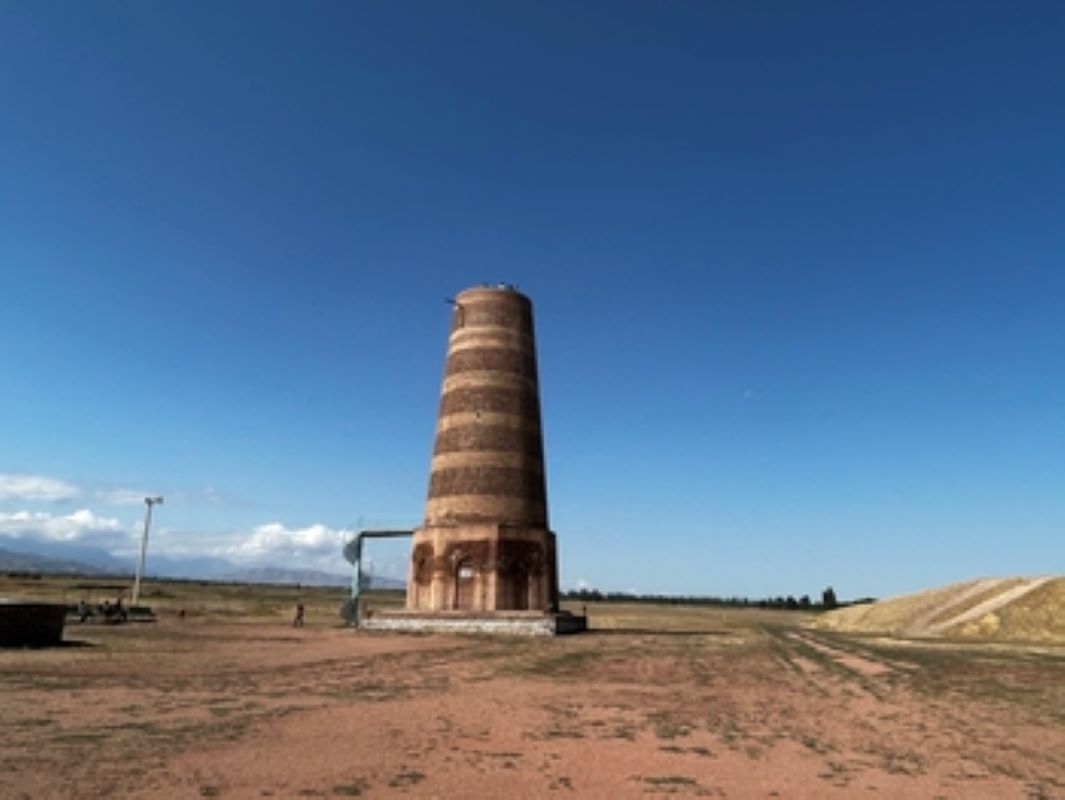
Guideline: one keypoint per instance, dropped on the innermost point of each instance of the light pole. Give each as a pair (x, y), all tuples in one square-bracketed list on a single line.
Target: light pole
[(148, 502)]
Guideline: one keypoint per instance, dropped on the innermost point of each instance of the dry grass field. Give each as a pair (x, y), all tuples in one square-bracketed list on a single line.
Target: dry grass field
[(233, 702)]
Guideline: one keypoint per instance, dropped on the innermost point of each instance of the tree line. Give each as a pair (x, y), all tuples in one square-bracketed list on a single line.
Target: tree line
[(828, 600)]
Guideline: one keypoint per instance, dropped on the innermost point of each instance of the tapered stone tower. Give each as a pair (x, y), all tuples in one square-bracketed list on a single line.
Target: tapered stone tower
[(485, 545)]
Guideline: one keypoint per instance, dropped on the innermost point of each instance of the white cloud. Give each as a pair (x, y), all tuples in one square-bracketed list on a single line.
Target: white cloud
[(315, 546), (273, 539), (214, 497), (206, 496), (122, 497), (79, 525), (26, 487)]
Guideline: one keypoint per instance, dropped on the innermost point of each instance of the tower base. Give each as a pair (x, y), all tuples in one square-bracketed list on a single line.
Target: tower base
[(513, 623), (483, 567)]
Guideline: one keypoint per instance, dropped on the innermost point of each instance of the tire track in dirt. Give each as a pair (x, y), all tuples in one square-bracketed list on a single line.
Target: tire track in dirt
[(850, 660)]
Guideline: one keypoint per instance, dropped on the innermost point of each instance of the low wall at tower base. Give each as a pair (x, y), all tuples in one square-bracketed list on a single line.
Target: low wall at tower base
[(509, 623)]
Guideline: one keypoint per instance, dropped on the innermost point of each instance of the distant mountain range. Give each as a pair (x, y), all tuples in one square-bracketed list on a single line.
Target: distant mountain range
[(94, 560), (306, 577), (68, 559), (10, 561), (88, 560)]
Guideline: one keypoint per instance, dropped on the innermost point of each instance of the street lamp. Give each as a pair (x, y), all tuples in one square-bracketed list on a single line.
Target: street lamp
[(148, 502)]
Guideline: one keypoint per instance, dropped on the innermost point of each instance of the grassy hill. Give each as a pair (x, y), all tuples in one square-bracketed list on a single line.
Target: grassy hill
[(986, 609)]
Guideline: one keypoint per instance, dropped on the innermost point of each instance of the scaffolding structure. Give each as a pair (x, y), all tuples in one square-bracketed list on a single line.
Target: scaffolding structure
[(353, 554)]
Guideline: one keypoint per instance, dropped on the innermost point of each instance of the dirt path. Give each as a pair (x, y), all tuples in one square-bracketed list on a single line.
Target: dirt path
[(242, 711), (861, 664)]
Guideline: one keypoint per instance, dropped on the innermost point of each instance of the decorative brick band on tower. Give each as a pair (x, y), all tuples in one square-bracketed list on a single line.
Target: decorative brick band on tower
[(485, 544)]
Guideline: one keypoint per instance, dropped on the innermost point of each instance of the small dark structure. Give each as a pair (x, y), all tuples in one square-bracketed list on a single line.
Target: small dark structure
[(110, 610), (31, 624)]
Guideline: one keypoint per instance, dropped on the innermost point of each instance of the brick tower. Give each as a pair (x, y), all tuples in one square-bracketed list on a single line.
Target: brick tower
[(485, 545)]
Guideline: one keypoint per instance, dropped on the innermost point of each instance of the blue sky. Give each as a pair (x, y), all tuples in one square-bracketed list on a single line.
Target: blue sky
[(799, 275)]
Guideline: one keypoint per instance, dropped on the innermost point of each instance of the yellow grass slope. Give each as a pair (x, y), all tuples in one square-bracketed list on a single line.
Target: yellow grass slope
[(987, 609)]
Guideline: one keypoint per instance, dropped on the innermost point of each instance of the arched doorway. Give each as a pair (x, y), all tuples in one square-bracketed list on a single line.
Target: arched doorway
[(465, 581), (519, 587), (421, 583)]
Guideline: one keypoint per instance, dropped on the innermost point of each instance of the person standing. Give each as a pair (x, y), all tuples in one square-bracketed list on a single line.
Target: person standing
[(298, 621)]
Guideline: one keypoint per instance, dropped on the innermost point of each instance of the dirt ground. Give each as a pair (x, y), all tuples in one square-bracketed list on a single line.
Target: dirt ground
[(666, 701)]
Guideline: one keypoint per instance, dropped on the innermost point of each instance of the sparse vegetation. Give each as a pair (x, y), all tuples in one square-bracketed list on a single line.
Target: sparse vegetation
[(556, 665), (670, 780), (686, 691), (407, 777), (353, 789)]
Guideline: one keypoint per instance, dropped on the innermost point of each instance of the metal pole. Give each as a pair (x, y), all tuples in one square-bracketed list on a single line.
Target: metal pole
[(353, 555), (356, 578), (149, 502)]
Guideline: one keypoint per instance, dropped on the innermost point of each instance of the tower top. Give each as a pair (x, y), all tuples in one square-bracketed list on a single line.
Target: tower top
[(509, 288)]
